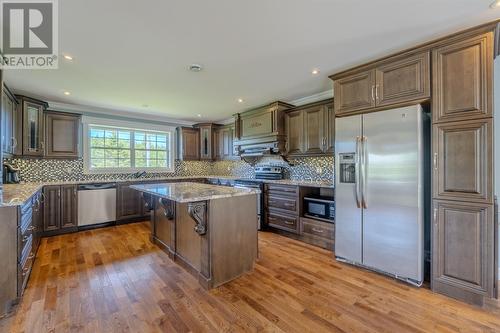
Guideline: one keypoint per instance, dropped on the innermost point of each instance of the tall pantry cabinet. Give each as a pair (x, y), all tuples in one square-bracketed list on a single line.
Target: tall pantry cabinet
[(463, 223)]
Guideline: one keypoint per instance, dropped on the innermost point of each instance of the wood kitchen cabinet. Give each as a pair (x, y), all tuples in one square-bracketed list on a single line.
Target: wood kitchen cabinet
[(393, 81), (354, 92), (62, 135), (462, 79), (129, 203), (294, 123), (224, 138), (463, 250), (32, 126), (188, 143), (9, 114), (163, 230), (310, 129), (463, 160), (208, 141), (60, 209)]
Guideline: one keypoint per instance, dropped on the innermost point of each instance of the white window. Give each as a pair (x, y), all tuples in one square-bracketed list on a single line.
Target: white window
[(127, 147)]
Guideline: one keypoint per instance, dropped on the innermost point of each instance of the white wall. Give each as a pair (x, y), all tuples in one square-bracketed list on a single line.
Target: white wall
[(496, 133)]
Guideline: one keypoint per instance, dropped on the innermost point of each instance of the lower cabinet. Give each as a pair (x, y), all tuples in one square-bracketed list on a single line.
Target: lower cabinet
[(282, 205), (164, 223), (129, 203), (463, 250), (60, 207)]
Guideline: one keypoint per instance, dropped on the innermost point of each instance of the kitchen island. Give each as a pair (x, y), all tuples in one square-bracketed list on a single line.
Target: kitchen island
[(209, 230)]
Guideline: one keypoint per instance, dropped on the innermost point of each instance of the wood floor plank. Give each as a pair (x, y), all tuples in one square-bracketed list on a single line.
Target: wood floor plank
[(115, 280)]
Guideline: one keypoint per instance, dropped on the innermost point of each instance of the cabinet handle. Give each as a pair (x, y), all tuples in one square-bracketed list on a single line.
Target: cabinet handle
[(435, 161), (373, 94), (14, 142), (289, 223), (376, 92), (319, 231), (42, 195), (25, 271), (25, 238), (435, 216), (32, 255)]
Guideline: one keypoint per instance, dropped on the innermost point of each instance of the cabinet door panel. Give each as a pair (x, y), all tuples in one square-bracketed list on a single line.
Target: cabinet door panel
[(314, 130), (190, 144), (463, 161), (129, 202), (62, 135), (33, 129), (354, 93), (295, 132), (52, 207), (165, 222), (404, 80), (462, 79), (463, 246), (69, 206), (330, 129)]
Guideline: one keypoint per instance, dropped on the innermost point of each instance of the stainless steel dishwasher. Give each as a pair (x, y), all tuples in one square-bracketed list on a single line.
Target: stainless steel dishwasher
[(96, 203)]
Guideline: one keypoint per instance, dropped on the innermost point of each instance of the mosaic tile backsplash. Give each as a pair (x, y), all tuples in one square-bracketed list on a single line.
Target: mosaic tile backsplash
[(306, 168)]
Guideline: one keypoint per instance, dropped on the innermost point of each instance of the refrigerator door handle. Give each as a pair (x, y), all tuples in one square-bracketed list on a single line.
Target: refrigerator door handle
[(363, 158), (357, 177)]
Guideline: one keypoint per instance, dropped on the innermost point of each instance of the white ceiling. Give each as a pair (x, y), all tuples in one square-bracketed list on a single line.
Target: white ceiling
[(128, 53)]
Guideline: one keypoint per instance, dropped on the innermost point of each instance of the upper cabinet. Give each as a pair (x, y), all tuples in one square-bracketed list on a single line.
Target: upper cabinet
[(62, 135), (223, 142), (207, 141), (355, 92), (189, 143), (395, 81), (462, 79), (8, 130), (32, 136), (309, 129)]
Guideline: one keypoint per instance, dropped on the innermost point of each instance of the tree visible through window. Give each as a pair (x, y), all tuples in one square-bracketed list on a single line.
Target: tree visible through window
[(121, 148)]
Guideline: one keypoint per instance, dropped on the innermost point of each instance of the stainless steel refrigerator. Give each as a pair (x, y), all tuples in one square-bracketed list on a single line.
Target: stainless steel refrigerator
[(379, 191)]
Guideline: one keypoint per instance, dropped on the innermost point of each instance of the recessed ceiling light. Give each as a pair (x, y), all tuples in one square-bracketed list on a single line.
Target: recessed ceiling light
[(495, 4), (68, 57), (240, 100), (195, 68), (67, 93), (315, 71), (198, 115)]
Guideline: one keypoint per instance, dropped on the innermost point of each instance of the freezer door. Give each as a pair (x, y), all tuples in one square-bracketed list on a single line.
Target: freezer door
[(393, 192), (348, 221)]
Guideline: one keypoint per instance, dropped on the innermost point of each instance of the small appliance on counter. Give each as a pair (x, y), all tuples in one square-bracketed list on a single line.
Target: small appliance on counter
[(10, 174), (320, 207)]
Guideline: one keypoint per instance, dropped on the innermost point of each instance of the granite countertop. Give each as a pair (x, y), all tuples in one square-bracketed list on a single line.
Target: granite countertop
[(18, 194), (191, 192)]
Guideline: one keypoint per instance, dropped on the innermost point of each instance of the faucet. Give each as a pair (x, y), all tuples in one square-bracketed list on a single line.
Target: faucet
[(138, 174)]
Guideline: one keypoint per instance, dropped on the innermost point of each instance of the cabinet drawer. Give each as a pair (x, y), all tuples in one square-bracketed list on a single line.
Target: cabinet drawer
[(23, 272), (24, 244), (317, 228), (283, 221), (279, 189), (288, 204)]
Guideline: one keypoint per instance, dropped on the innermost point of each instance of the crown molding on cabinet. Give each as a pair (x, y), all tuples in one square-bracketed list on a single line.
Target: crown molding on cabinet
[(91, 110), (313, 98)]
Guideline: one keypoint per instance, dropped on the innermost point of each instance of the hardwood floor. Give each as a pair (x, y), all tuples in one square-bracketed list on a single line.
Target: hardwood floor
[(115, 280)]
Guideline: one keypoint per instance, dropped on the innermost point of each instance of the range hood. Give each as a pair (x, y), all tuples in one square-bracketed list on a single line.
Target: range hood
[(261, 132)]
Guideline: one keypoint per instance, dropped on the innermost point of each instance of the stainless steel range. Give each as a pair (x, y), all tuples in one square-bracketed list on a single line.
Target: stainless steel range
[(261, 173)]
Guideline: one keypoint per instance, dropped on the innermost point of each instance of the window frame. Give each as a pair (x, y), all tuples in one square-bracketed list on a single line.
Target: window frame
[(88, 122)]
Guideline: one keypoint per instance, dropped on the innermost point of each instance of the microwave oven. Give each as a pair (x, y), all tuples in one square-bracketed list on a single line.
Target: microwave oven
[(320, 207)]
